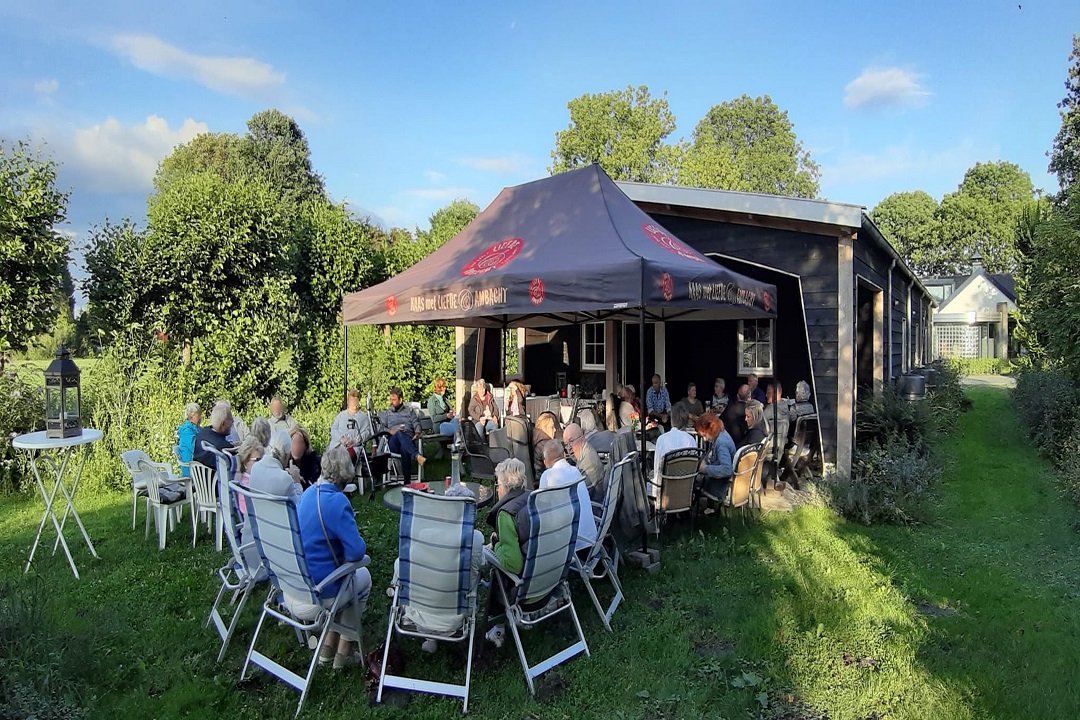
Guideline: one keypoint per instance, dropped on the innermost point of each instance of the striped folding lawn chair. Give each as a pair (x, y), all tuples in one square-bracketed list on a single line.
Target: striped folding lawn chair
[(596, 563), (435, 584), (275, 527), (243, 570), (541, 592)]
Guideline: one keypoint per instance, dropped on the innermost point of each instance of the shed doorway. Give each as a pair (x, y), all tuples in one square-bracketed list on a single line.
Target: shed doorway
[(868, 339)]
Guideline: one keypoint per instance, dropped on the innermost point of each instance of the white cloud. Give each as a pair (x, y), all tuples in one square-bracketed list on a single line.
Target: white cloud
[(901, 161), (435, 176), (240, 76), (112, 157), (504, 165), (46, 88), (439, 193), (885, 87)]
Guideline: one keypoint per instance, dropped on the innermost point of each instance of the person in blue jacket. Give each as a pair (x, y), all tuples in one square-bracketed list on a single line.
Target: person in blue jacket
[(185, 435)]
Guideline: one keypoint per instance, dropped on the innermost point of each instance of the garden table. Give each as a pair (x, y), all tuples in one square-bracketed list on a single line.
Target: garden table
[(54, 454), (482, 493)]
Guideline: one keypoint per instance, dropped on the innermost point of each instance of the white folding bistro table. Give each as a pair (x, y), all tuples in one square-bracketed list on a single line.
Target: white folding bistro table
[(52, 455)]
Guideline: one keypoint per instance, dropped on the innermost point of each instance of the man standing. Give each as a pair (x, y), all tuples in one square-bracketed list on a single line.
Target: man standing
[(280, 420), (401, 422), (560, 473), (657, 401), (585, 458)]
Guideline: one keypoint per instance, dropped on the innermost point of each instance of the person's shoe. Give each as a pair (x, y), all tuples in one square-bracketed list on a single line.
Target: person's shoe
[(430, 646), (325, 658), (496, 635), (350, 488), (348, 661)]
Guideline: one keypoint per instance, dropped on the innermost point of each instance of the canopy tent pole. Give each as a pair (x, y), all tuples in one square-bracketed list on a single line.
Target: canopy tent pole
[(345, 363), (642, 414)]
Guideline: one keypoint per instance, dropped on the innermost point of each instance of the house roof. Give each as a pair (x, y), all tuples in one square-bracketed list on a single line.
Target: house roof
[(1002, 282), (818, 216)]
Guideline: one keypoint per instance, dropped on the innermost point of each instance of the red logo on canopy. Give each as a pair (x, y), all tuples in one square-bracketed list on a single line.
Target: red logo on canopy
[(667, 286), (494, 257), (768, 300), (660, 236), (391, 306), (536, 291)]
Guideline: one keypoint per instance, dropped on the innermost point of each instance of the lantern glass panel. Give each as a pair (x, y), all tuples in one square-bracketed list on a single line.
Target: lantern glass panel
[(71, 402), (52, 403)]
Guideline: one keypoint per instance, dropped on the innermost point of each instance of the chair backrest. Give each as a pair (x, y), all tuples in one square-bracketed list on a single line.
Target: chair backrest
[(553, 518), (519, 435), (203, 480), (227, 473), (435, 546), (765, 452), (624, 443), (677, 473), (474, 444), (806, 435), (427, 426), (612, 495), (275, 527), (743, 464), (140, 472)]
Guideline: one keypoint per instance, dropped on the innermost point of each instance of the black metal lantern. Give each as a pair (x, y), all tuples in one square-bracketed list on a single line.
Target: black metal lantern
[(63, 397)]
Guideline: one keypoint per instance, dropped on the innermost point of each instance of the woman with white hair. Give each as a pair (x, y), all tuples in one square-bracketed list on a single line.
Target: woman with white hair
[(510, 522), (482, 410), (185, 435), (269, 476), (216, 434), (330, 537)]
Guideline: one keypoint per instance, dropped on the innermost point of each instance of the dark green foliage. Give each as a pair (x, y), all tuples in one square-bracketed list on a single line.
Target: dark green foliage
[(979, 366), (22, 410), (1065, 156), (887, 415), (891, 482)]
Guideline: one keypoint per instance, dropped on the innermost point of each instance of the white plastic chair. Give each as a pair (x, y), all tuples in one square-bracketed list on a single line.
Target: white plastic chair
[(204, 500), (596, 563), (549, 551), (138, 472), (275, 527), (244, 569), (434, 576), (165, 513)]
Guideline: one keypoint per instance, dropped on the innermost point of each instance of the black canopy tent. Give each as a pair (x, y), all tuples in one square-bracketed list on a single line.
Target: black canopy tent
[(562, 250)]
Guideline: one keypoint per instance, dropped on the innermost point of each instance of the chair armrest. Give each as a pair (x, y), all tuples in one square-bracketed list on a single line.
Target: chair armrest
[(165, 468), (493, 560), (494, 450), (342, 571)]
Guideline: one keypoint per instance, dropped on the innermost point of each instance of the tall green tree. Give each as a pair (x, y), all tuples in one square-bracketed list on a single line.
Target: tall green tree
[(33, 255), (276, 148), (749, 144), (908, 220), (980, 217), (1065, 155), (624, 131)]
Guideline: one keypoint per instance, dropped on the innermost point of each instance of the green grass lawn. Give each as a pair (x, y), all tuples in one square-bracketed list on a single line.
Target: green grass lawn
[(800, 615)]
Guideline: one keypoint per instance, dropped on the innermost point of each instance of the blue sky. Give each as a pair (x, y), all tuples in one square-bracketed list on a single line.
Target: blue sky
[(409, 106)]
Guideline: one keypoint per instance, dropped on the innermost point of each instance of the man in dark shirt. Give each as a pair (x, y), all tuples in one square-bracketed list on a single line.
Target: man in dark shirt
[(734, 415), (216, 434), (756, 393)]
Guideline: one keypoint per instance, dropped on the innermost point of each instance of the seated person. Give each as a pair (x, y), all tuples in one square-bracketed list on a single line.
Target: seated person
[(802, 405), (442, 414), (546, 428), (756, 393), (777, 410), (715, 470), (515, 399), (249, 453), (734, 415), (559, 473), (658, 402), (674, 439), (628, 407), (185, 435), (269, 476), (330, 537), (585, 459), (601, 440), (509, 520), (693, 404), (279, 418), (239, 429), (719, 398), (401, 422), (482, 410), (755, 424), (304, 463), (216, 434), (351, 427), (260, 429)]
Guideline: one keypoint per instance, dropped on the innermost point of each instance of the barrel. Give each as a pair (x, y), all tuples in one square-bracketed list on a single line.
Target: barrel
[(931, 374), (912, 386)]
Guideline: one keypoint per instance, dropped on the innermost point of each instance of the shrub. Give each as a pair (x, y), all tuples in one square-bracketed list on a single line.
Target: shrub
[(22, 410), (890, 482), (947, 399), (979, 366), (1047, 402), (886, 416)]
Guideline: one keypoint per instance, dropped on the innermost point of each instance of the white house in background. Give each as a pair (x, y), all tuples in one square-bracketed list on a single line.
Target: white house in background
[(972, 316)]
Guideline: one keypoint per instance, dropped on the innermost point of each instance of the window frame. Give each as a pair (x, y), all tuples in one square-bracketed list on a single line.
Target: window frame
[(740, 348), (587, 366)]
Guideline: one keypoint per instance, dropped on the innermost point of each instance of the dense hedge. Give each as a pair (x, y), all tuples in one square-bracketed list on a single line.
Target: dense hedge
[(1048, 402), (980, 366)]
